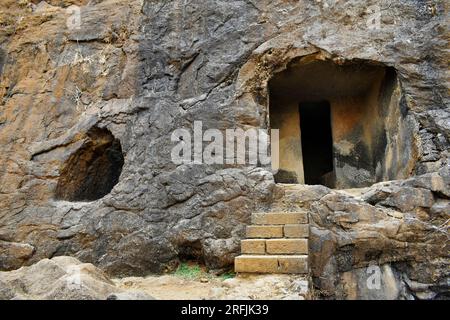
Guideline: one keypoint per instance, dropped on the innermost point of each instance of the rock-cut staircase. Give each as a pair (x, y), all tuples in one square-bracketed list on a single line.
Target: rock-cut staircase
[(277, 242)]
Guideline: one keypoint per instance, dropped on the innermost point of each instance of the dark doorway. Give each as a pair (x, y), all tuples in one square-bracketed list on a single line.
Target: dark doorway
[(317, 142)]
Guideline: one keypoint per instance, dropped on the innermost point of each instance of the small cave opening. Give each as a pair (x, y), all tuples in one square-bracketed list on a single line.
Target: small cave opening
[(342, 125), (191, 252), (93, 170)]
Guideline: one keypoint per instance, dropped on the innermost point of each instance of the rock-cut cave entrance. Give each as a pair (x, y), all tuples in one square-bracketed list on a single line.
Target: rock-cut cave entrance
[(341, 125), (92, 171)]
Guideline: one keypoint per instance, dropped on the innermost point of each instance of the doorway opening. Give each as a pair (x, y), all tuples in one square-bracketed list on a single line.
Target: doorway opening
[(317, 142), (342, 125)]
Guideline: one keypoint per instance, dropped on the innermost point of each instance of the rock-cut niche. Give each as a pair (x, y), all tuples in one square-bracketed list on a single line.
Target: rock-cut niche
[(341, 125), (93, 170)]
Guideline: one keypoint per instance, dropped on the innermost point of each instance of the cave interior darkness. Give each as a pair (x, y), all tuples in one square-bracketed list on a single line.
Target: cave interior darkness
[(93, 170)]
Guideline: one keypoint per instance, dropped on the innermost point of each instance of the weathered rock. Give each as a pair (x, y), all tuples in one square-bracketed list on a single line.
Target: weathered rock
[(6, 291), (130, 295), (13, 255), (407, 199), (402, 198), (438, 182), (441, 207), (373, 283), (350, 239), (62, 278)]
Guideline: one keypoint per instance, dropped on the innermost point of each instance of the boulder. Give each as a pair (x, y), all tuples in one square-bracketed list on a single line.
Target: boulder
[(61, 278)]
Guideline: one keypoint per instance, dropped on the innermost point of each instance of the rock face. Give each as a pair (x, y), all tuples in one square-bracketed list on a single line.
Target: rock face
[(384, 243), (141, 69), (62, 278)]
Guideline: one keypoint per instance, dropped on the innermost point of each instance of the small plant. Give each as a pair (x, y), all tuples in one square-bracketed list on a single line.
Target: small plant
[(23, 3), (194, 271), (75, 96), (189, 271), (228, 275)]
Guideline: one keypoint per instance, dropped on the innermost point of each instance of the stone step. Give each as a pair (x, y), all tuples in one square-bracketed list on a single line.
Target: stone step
[(279, 218), (296, 264), (253, 246), (287, 246), (278, 231), (265, 231), (296, 231), (274, 246)]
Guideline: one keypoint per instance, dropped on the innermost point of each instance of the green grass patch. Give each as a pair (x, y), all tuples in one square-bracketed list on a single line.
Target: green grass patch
[(194, 271), (228, 275), (189, 271)]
